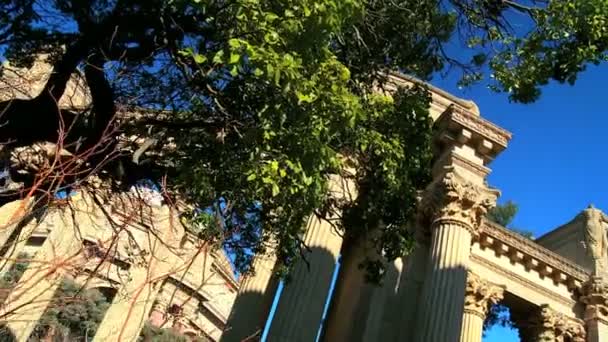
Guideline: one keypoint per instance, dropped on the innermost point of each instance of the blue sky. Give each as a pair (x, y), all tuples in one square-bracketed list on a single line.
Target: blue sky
[(556, 163)]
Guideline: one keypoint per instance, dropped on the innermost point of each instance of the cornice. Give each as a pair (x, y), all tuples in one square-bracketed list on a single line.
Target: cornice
[(533, 255), (518, 278), (475, 124)]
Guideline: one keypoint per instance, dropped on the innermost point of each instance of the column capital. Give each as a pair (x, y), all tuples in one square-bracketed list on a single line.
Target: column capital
[(451, 197), (595, 297), (480, 295), (551, 325)]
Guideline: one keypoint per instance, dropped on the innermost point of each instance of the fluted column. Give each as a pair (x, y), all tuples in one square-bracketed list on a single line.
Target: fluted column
[(410, 290), (253, 302), (300, 307), (480, 295), (595, 298), (298, 314), (452, 207)]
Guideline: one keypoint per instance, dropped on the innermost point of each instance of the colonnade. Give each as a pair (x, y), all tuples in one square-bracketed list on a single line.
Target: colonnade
[(434, 297)]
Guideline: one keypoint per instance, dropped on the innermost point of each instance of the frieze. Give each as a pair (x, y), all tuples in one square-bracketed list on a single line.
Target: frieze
[(516, 277), (535, 251)]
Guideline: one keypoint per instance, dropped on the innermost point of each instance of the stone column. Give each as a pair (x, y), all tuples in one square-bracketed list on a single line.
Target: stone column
[(453, 208), (298, 314), (595, 298), (479, 297), (36, 288), (410, 290), (300, 307), (252, 304), (548, 325)]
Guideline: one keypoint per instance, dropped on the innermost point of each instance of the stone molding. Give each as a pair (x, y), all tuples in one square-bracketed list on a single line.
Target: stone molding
[(480, 295), (525, 251), (516, 277), (595, 297), (453, 198), (458, 160), (474, 123), (550, 325)]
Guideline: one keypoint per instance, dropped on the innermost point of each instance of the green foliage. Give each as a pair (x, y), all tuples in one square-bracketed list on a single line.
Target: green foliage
[(74, 314), (12, 275), (503, 214), (263, 100), (153, 334)]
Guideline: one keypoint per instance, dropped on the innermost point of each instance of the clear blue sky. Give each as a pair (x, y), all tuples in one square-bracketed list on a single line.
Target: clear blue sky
[(557, 161)]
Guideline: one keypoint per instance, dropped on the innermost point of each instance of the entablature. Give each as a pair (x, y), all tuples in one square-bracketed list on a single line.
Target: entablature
[(524, 251)]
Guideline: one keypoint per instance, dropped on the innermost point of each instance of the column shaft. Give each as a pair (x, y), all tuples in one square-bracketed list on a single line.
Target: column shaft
[(472, 327), (298, 314), (410, 290), (129, 309), (442, 306), (252, 304)]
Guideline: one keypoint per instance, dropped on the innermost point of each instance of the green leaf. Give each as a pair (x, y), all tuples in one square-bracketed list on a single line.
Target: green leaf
[(200, 59), (275, 189)]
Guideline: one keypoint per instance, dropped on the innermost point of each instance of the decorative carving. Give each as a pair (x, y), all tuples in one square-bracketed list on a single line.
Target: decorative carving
[(480, 295), (549, 325), (453, 198), (595, 242), (595, 297), (532, 250), (532, 285), (479, 125)]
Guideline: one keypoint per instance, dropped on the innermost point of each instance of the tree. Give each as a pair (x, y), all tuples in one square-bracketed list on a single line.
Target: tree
[(503, 214), (258, 102)]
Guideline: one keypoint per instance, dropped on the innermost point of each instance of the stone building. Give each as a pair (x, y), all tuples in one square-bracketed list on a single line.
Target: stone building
[(131, 246), (556, 286), (152, 268), (134, 250)]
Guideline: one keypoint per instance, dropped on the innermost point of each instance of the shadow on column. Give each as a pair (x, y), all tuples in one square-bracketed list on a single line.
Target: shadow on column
[(360, 310), (248, 317), (302, 302)]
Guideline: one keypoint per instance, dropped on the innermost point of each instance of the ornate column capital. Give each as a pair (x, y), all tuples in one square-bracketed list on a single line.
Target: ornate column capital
[(595, 297), (480, 295), (452, 197), (551, 325)]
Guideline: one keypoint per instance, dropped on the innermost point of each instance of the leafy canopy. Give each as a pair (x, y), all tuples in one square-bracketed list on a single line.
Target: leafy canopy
[(258, 102)]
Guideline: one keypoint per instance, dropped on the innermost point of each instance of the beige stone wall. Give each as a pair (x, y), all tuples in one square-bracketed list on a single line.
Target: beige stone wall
[(151, 247)]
